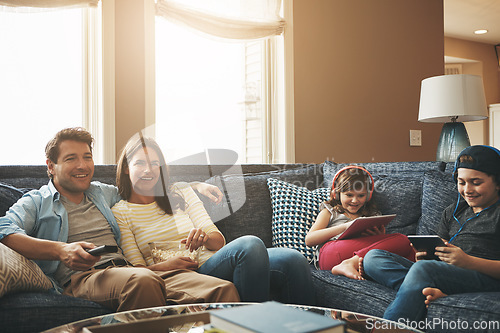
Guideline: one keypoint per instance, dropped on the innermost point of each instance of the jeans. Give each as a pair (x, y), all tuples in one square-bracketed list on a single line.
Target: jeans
[(258, 272), (409, 279)]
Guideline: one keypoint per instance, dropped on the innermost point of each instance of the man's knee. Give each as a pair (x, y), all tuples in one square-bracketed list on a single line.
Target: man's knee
[(145, 282), (227, 292), (142, 289)]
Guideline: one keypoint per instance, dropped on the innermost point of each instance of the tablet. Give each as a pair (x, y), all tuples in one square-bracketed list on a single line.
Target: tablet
[(360, 224), (426, 243)]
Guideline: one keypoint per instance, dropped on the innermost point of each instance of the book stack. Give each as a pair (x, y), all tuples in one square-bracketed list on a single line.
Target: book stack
[(272, 317)]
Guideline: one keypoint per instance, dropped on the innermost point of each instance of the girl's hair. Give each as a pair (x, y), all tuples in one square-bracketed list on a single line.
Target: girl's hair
[(166, 199), (352, 180)]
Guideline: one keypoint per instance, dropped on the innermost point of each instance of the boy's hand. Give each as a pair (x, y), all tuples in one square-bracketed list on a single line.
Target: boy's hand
[(453, 255)]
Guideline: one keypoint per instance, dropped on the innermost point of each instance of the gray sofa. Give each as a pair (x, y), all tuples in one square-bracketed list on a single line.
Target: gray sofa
[(278, 204)]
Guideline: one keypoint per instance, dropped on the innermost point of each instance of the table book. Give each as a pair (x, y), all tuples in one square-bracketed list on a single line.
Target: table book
[(272, 317)]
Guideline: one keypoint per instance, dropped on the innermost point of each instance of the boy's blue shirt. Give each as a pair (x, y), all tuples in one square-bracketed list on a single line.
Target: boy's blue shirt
[(40, 214)]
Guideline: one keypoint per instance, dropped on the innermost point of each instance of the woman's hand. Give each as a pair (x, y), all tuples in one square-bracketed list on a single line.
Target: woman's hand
[(195, 239), (210, 191), (175, 263)]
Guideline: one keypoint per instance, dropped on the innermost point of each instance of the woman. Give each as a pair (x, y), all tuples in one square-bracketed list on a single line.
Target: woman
[(154, 210)]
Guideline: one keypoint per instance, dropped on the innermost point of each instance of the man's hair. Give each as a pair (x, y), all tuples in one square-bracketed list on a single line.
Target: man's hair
[(79, 134)]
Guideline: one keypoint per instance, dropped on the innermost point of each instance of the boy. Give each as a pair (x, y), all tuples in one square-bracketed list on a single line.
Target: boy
[(470, 261)]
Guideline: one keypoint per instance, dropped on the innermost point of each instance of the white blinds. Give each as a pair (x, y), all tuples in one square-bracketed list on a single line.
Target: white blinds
[(29, 5), (231, 19)]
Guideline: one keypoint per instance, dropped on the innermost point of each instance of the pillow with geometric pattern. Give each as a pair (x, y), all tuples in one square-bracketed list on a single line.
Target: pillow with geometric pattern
[(295, 209), (17, 273)]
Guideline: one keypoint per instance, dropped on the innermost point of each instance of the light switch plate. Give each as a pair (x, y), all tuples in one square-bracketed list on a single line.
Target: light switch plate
[(415, 138)]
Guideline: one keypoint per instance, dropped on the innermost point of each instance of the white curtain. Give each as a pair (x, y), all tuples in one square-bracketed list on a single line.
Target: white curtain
[(33, 5), (231, 19)]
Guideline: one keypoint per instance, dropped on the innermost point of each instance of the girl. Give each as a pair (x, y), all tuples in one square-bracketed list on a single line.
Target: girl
[(155, 211), (352, 189)]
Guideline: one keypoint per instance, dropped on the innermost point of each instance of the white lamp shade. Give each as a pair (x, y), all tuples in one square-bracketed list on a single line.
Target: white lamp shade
[(446, 96)]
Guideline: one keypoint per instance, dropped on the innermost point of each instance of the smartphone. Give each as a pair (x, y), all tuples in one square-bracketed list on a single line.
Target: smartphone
[(100, 250), (427, 243)]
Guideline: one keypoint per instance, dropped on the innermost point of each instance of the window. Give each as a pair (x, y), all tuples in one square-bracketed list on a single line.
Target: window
[(214, 93), (44, 71)]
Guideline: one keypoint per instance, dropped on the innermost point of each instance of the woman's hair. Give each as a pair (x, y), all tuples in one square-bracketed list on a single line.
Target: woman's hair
[(166, 199), (352, 180), (78, 134)]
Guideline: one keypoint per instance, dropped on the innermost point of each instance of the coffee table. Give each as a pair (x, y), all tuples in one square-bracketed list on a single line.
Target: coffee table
[(195, 318)]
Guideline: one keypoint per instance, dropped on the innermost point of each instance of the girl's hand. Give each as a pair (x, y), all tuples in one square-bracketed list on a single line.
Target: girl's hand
[(374, 231), (195, 239), (453, 255)]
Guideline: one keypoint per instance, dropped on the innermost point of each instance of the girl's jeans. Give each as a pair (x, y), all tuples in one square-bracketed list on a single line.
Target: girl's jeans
[(258, 272), (409, 279)]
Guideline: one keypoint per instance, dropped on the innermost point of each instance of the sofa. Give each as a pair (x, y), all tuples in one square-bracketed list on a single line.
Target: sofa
[(278, 203)]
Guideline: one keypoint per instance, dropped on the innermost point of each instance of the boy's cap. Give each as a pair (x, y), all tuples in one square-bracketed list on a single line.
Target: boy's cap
[(485, 159)]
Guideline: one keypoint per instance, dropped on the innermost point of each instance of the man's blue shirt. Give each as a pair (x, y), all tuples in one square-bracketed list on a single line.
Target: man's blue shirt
[(40, 214)]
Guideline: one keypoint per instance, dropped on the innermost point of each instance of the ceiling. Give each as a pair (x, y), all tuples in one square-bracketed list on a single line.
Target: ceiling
[(463, 17)]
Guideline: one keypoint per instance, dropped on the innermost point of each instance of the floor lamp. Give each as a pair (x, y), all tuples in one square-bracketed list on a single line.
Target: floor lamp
[(452, 100)]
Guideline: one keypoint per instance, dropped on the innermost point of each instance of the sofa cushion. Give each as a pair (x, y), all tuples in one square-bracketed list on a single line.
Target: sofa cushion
[(343, 293), (20, 274), (294, 211), (402, 169), (38, 311), (400, 196), (8, 196), (467, 312), (248, 195), (439, 191)]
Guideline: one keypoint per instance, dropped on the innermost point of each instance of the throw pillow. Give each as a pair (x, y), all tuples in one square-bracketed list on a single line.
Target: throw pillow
[(17, 273), (439, 191), (294, 212)]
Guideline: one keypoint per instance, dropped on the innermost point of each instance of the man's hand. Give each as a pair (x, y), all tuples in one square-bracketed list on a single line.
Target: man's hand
[(210, 191), (76, 257)]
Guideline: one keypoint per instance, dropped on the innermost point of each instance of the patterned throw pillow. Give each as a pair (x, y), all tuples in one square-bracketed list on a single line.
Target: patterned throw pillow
[(20, 274), (294, 212)]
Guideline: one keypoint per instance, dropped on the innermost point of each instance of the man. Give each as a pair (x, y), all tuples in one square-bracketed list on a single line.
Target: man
[(57, 224)]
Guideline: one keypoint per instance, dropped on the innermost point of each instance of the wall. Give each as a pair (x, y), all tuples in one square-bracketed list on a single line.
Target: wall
[(358, 69), (486, 65)]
